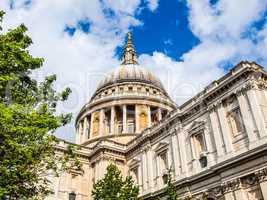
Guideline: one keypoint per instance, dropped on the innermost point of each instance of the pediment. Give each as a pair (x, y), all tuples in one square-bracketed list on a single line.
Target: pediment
[(134, 162), (161, 146), (196, 126)]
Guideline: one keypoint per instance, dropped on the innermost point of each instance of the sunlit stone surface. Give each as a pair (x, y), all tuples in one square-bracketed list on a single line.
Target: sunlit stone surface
[(215, 143)]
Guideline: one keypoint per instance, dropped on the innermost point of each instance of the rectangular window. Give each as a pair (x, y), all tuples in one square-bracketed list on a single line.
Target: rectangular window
[(235, 121), (134, 174), (163, 161), (199, 143)]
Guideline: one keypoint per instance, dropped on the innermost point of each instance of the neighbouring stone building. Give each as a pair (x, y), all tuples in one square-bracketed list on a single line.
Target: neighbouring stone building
[(215, 143)]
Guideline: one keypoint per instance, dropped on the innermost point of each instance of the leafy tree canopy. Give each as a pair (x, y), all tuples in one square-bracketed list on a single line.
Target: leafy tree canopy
[(113, 186), (27, 121)]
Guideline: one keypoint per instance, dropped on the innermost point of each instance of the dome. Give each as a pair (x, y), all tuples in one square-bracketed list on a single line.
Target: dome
[(130, 73), (128, 100)]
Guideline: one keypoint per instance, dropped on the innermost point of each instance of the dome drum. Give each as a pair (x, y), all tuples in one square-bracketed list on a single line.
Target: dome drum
[(118, 119)]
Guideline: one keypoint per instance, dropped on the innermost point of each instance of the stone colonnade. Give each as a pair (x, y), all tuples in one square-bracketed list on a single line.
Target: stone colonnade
[(117, 119)]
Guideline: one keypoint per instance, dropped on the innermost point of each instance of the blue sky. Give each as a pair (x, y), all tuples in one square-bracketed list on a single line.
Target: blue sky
[(186, 43)]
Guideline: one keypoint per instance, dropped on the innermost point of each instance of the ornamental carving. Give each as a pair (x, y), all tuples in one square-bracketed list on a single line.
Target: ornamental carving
[(231, 185)]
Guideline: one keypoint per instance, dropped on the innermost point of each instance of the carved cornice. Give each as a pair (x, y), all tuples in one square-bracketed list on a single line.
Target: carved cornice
[(231, 185)]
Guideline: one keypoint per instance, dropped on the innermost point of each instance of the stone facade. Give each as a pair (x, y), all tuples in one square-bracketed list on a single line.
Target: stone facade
[(215, 144)]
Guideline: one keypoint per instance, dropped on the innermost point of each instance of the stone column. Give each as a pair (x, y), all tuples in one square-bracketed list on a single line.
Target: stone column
[(159, 172), (182, 148), (159, 114), (84, 129), (101, 121), (124, 120), (155, 171), (209, 146), (80, 132), (263, 186), (149, 115), (229, 196), (91, 125), (239, 194), (194, 156), (112, 120), (150, 169), (77, 135), (219, 142), (140, 178), (257, 114), (224, 128), (137, 127), (189, 153), (144, 170), (175, 155), (247, 117)]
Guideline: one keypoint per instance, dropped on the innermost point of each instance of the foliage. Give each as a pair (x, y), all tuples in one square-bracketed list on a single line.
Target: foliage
[(27, 121), (170, 188), (113, 186)]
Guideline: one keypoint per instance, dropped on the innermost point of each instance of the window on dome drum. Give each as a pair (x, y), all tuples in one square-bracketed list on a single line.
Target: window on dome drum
[(118, 119), (107, 123), (154, 114), (164, 113), (130, 118), (121, 89), (130, 89), (147, 89), (113, 90)]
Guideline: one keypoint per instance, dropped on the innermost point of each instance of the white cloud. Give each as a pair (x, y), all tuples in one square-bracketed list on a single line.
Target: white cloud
[(153, 4), (81, 60), (224, 31)]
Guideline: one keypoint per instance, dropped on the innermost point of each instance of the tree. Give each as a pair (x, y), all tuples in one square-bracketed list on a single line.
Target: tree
[(113, 186), (170, 188), (27, 121)]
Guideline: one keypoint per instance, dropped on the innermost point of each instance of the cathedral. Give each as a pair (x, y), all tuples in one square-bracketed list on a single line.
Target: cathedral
[(214, 144)]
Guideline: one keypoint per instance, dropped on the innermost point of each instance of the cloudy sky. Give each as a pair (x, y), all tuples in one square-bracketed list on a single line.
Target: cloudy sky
[(186, 43)]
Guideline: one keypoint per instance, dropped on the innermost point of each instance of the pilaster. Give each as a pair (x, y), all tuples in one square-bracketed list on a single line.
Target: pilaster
[(159, 114), (263, 186), (124, 118), (149, 115), (219, 142), (247, 117), (137, 126), (101, 121), (224, 128), (150, 164), (182, 149), (175, 155), (255, 108), (112, 120)]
